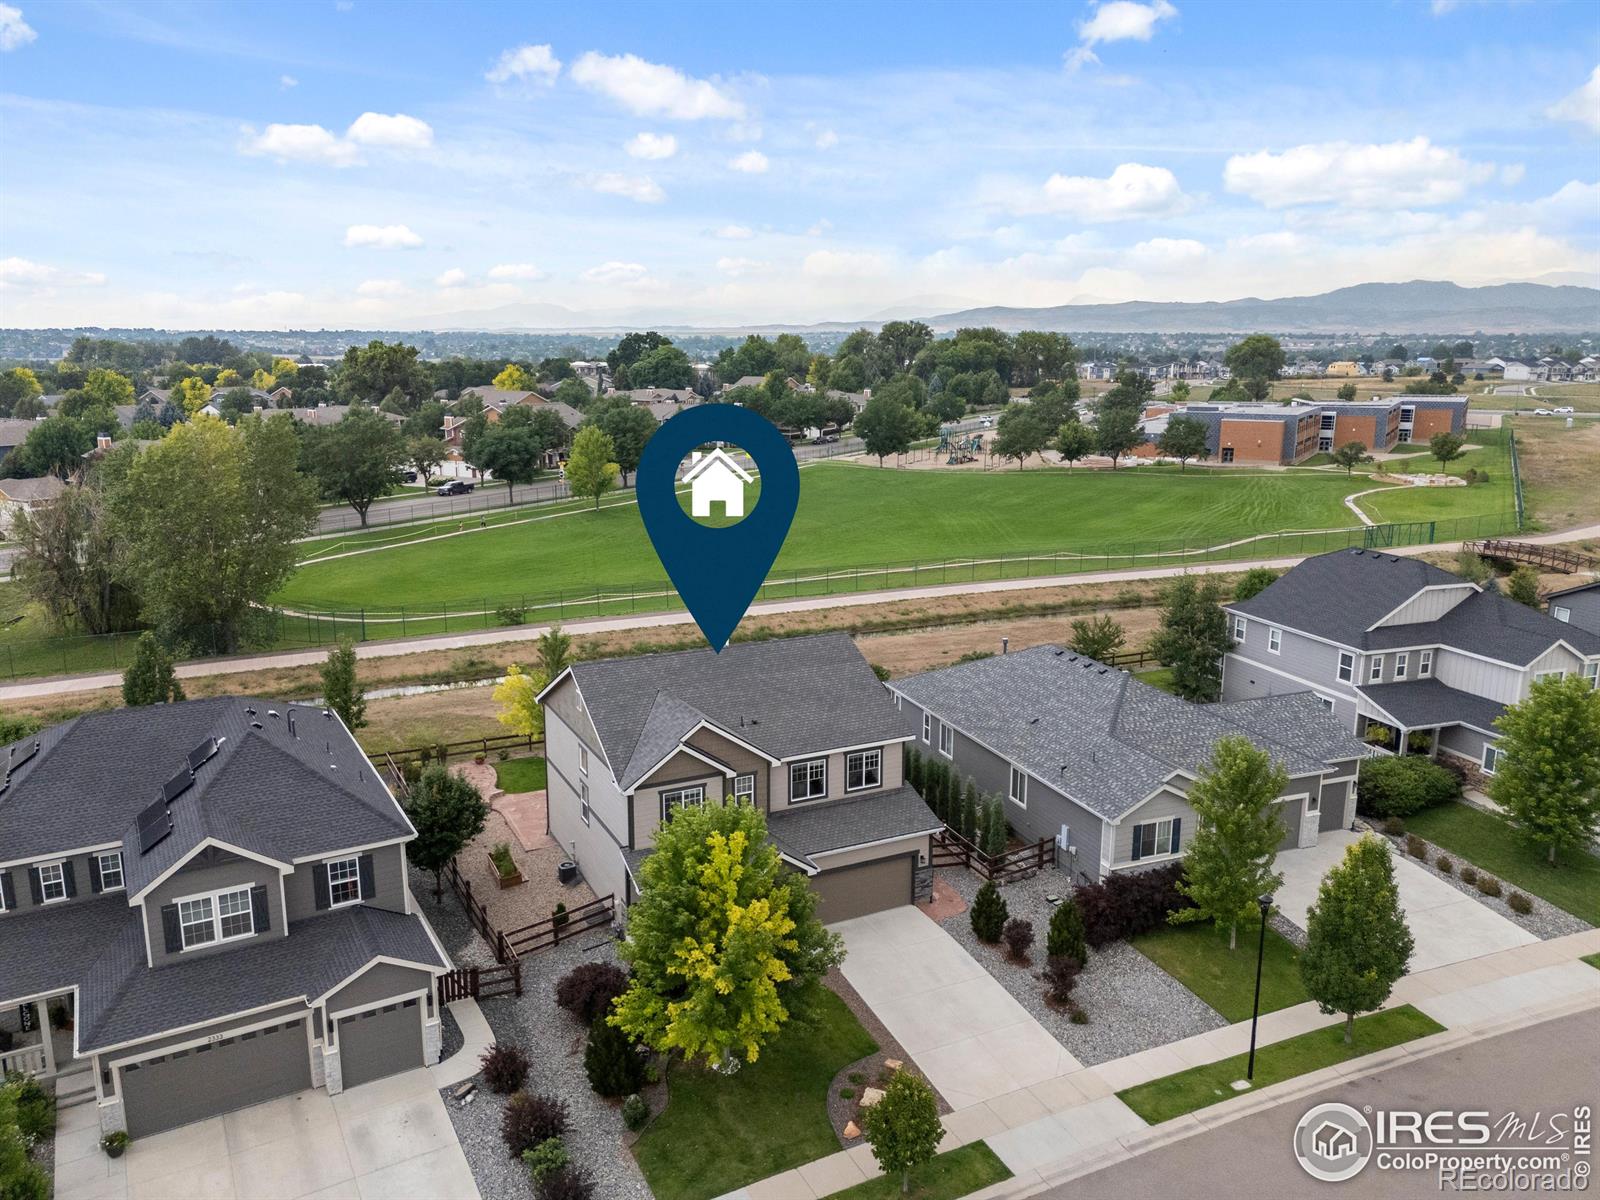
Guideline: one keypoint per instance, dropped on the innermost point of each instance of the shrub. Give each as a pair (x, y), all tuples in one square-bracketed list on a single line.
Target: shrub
[(613, 1065), (847, 1093), (1394, 826), (505, 1068), (559, 917), (36, 1108), (989, 913), (588, 989), (1416, 847), (1077, 1016), (1446, 867), (1488, 885), (569, 1183), (510, 615), (881, 671), (857, 1077), (1469, 875), (502, 754), (1130, 903), (412, 771), (1519, 903), (635, 1112), (530, 1120), (545, 1159), (969, 815), (1399, 787), (500, 854), (1018, 937), (1064, 938), (1061, 974), (441, 753)]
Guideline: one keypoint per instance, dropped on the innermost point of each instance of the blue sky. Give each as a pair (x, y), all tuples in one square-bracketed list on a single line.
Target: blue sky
[(351, 163)]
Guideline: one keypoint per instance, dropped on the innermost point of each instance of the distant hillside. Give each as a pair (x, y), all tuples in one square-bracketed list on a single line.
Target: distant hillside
[(1418, 307)]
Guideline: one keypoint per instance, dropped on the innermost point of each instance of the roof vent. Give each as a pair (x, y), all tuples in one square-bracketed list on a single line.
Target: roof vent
[(1102, 671), (327, 714), (250, 710), (273, 713), (292, 732), (1059, 653), (257, 725), (1033, 721)]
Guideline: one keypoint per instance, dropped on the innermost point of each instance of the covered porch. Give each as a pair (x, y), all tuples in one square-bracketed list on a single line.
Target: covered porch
[(1420, 716), (36, 1036)]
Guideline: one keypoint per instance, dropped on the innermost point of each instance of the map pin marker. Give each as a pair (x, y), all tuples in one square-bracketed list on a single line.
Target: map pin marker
[(717, 571)]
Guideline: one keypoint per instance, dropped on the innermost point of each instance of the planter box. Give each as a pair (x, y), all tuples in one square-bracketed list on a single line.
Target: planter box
[(506, 881)]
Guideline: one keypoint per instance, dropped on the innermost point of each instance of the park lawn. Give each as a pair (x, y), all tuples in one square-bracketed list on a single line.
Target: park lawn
[(851, 516), (1198, 957), (1487, 451), (1200, 1087), (949, 1176), (721, 1132), (520, 775), (1488, 842)]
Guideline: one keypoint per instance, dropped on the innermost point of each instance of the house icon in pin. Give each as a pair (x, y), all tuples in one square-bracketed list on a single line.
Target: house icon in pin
[(716, 479)]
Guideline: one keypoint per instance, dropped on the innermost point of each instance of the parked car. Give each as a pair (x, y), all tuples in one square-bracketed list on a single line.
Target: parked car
[(456, 487), (987, 422), (409, 477), (824, 439), (1564, 409), (1543, 412)]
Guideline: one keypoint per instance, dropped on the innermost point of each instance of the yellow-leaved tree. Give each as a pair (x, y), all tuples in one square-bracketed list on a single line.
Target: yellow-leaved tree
[(263, 380), (285, 368), (517, 695), (515, 378), (190, 394), (228, 377)]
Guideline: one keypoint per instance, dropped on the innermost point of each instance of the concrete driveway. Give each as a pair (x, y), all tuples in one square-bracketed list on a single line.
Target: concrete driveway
[(1448, 925), (966, 1033), (381, 1141)]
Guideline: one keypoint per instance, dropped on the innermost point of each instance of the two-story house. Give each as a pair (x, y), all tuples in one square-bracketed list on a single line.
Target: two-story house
[(213, 896), (1103, 762), (800, 727), (1394, 646)]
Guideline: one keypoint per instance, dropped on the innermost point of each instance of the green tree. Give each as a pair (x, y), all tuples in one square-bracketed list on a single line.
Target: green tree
[(1180, 392), (724, 942), (1228, 861), (994, 824), (424, 453), (513, 450), (150, 678), (555, 651), (1357, 943), (663, 367), (1347, 392), (1117, 431), (633, 347), (1547, 776), (903, 1128), (1183, 438), (1193, 637), (54, 446), (629, 426), (69, 556), (1350, 456), (447, 812), (341, 690), (1021, 433), (1074, 440), (1523, 585), (592, 466), (1065, 936), (1253, 582), (1255, 362), (1446, 447), (101, 390), (611, 1062), (16, 385), (1097, 637), (885, 427), (20, 1177), (989, 913), (372, 373), (358, 460)]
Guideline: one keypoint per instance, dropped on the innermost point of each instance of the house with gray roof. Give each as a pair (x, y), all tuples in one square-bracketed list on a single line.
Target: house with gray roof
[(26, 495), (1102, 762), (1396, 647), (1578, 605), (214, 893), (800, 727)]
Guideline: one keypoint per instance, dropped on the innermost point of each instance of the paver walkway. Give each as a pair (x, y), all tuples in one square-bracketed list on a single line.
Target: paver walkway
[(525, 814)]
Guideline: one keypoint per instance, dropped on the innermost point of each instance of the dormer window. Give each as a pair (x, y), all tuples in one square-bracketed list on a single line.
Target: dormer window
[(109, 869), (218, 917), (344, 881)]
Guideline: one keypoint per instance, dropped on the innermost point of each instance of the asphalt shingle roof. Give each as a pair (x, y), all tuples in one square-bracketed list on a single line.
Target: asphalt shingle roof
[(1420, 703), (835, 825), (1488, 623)]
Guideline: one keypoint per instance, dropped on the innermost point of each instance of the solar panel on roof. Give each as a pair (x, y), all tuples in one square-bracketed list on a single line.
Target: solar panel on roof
[(15, 760), (177, 785), (201, 753), (155, 823)]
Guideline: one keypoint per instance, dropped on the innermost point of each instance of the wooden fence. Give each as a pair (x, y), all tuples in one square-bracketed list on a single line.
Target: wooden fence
[(477, 914), (472, 746), (1551, 558), (950, 849), (541, 935), (480, 983)]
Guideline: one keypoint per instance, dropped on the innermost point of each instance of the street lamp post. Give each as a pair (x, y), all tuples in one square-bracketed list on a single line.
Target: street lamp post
[(1264, 903)]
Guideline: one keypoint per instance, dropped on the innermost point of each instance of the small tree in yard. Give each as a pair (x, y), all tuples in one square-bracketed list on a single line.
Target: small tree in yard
[(1350, 456), (1548, 775), (1097, 637), (340, 689), (1254, 581), (592, 468), (555, 652), (969, 816), (1064, 938), (1357, 943), (1183, 438), (150, 678), (1228, 861), (1193, 638), (448, 812), (989, 913), (1017, 934), (903, 1128), (1523, 586), (994, 826), (518, 697), (611, 1062), (1074, 440), (1447, 447)]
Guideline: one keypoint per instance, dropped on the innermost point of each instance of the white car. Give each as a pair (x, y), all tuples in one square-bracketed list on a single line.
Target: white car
[(1564, 410), (986, 422), (1543, 412)]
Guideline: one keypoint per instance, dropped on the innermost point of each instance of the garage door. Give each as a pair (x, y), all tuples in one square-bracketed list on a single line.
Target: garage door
[(218, 1077), (865, 888), (379, 1042)]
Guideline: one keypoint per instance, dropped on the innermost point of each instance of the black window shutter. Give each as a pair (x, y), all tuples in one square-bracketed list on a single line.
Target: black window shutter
[(1177, 826), (34, 886), (169, 926), (8, 895), (319, 884), (66, 876), (1136, 852), (368, 888), (258, 909), (94, 872)]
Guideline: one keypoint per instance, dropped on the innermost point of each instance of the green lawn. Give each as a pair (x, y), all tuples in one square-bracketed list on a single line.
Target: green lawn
[(520, 775), (1199, 1087), (719, 1132), (1156, 677), (1198, 957), (957, 1173), (1487, 451), (1489, 843), (1593, 960)]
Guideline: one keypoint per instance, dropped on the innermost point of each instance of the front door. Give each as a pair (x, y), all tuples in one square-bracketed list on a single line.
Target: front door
[(1310, 816)]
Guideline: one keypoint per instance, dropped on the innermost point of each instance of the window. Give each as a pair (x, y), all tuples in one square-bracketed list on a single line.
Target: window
[(1491, 759), (195, 919), (1347, 666), (1227, 454), (1325, 444), (947, 740), (583, 800), (1155, 838), (1407, 415), (219, 917), (1591, 672), (1376, 674), (1400, 663), (52, 883), (234, 913), (1560, 613), (1424, 664), (110, 870), (1325, 701), (927, 726), (1019, 787), (863, 769), (744, 789), (689, 797), (1239, 626), (344, 881), (808, 780), (583, 760), (1313, 804), (1541, 676), (1275, 640), (1327, 420)]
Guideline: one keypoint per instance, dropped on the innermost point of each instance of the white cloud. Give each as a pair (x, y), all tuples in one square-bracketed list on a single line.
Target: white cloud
[(615, 273), (652, 145), (751, 162), (735, 233), (1511, 174), (396, 132), (285, 82), (454, 277), (301, 143), (14, 31), (836, 264), (1167, 253), (382, 237), (515, 271), (819, 227), (535, 63), (1118, 21), (1582, 105), (652, 89), (381, 287), (827, 140), (640, 188), (22, 272), (1392, 175), (1132, 190), (741, 266)]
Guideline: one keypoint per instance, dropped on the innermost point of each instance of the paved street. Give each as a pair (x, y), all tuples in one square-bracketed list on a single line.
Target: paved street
[(1528, 1071)]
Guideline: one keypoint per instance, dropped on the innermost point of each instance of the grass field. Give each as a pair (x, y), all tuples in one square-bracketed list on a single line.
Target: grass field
[(1198, 957), (1487, 451), (1558, 471), (951, 1175)]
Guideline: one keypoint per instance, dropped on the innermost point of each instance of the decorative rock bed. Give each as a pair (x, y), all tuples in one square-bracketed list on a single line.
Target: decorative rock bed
[(874, 1069)]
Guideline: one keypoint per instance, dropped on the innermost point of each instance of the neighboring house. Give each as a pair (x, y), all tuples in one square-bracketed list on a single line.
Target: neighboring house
[(495, 402), (799, 727), (1101, 762), (26, 495), (1397, 644), (1578, 605), (13, 432), (1345, 369), (215, 892), (716, 479)]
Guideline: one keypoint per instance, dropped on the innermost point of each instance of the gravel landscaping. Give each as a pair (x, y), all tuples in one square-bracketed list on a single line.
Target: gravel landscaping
[(449, 920), (1132, 1003), (451, 1038)]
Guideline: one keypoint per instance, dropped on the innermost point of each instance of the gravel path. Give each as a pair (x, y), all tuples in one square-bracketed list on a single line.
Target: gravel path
[(1132, 1003), (460, 940)]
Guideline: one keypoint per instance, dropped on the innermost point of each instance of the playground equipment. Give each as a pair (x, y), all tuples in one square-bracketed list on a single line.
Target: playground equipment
[(958, 449)]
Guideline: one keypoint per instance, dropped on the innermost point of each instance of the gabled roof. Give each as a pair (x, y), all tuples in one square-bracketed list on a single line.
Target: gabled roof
[(28, 491), (1339, 596), (814, 829), (1492, 625), (1421, 703), (1577, 587)]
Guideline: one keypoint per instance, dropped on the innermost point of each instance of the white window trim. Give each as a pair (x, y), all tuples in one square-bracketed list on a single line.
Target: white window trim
[(862, 754), (100, 863), (682, 803), (216, 916), (353, 860), (1561, 613), (1489, 748), (1347, 666), (1313, 804), (1375, 671), (583, 801), (1017, 787), (927, 728), (1326, 701), (947, 740), (61, 881), (1240, 627), (807, 764), (1274, 640), (1402, 663), (583, 760), (744, 795), (1154, 853), (1424, 663), (1591, 672)]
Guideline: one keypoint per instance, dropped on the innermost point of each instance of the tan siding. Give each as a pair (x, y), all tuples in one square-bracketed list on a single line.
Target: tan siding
[(846, 858)]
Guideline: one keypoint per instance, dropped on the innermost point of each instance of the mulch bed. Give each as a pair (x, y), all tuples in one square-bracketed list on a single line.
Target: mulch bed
[(842, 1111)]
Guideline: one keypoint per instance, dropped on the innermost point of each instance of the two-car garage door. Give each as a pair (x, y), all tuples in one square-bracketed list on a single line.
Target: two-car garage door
[(864, 888), (216, 1077)]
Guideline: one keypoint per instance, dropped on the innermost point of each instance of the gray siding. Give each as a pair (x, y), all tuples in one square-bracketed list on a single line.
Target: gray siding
[(1463, 742), (379, 985), (209, 871), (1429, 605), (23, 892), (1583, 609), (1163, 804), (1302, 664), (388, 880)]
